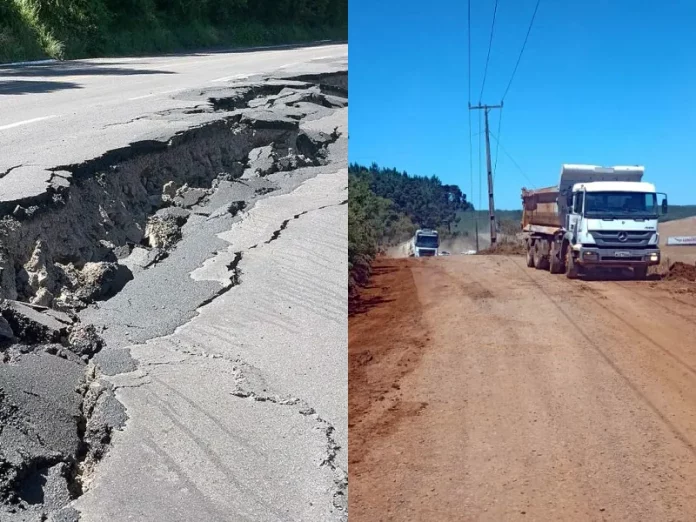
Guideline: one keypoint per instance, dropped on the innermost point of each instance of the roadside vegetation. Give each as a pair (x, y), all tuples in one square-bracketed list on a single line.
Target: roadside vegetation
[(386, 207), (679, 212), (68, 29)]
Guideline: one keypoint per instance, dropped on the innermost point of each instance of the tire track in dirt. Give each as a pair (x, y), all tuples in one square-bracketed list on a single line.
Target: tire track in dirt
[(612, 363), (542, 405), (661, 304)]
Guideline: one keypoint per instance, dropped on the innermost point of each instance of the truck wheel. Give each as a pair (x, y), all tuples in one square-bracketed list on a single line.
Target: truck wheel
[(539, 261), (571, 269), (530, 254), (555, 264), (640, 272), (537, 256)]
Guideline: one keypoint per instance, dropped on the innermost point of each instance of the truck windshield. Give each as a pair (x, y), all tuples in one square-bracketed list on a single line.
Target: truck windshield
[(427, 241), (621, 204)]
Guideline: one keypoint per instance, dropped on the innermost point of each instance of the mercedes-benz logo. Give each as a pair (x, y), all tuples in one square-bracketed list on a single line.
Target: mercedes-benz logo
[(623, 236)]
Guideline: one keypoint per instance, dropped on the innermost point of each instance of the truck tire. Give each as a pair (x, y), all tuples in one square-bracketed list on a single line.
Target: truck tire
[(540, 263), (571, 269), (537, 255), (530, 254), (640, 273), (555, 263)]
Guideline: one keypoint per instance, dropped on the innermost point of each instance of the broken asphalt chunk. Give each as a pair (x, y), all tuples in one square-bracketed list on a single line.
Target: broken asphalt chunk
[(34, 324), (6, 333)]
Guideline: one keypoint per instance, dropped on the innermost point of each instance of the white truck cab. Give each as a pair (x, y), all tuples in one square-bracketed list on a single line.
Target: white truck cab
[(615, 222), (596, 217), (425, 242)]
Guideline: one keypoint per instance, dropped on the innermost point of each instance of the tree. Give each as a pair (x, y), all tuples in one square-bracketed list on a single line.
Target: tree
[(425, 200)]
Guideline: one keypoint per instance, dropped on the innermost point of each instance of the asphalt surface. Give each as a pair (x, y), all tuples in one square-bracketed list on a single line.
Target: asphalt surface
[(228, 351), (239, 413), (69, 112)]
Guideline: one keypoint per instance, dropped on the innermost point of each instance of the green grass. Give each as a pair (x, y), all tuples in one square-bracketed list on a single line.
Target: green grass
[(70, 29), (19, 39)]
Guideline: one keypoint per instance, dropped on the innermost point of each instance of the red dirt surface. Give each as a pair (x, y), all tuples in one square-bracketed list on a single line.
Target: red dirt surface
[(482, 390), (509, 248), (385, 310)]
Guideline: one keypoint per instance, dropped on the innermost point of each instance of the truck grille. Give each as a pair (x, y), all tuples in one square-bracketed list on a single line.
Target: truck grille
[(622, 259), (423, 253), (613, 238)]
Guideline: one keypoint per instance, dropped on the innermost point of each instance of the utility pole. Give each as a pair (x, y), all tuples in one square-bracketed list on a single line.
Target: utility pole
[(491, 204)]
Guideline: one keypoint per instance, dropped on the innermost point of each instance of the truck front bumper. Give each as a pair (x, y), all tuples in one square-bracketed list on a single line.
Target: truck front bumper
[(617, 257)]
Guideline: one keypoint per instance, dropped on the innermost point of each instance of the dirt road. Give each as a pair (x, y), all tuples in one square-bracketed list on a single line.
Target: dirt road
[(484, 390)]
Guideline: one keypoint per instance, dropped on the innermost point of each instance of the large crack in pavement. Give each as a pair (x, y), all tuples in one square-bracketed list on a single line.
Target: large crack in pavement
[(217, 425), (100, 260)]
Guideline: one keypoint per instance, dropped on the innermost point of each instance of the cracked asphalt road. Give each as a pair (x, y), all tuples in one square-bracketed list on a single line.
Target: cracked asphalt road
[(69, 112), (227, 348), (193, 448)]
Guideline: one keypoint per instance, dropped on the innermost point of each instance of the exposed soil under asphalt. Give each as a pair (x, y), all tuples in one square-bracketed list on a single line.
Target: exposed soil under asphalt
[(142, 216), (481, 389)]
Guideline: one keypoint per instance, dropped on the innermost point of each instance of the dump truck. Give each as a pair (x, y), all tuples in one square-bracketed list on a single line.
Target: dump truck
[(596, 217), (425, 242)]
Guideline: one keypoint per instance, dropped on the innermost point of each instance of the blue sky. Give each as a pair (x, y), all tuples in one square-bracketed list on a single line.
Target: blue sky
[(608, 82)]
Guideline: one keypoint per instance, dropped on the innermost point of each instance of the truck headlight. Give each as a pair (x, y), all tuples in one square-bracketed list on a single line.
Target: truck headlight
[(654, 256)]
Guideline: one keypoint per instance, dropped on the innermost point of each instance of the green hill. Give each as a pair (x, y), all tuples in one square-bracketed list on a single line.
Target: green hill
[(511, 219), (679, 212)]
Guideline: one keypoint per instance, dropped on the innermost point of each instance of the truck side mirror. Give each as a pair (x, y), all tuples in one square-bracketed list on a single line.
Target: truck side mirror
[(663, 205)]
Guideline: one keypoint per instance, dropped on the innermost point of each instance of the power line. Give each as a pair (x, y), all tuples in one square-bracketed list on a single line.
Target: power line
[(519, 58), (497, 143), (480, 192), (471, 146), (469, 33), (471, 158), (488, 56), (512, 159)]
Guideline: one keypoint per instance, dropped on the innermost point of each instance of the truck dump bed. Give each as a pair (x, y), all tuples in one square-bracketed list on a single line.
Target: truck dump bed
[(547, 207), (540, 207)]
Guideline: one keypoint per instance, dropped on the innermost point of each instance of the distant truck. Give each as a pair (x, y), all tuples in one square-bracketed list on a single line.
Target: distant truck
[(596, 217), (425, 242)]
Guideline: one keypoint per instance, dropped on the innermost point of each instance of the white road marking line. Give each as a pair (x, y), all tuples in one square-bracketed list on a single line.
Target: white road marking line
[(36, 62), (154, 94), (288, 65), (228, 78), (27, 122), (142, 97)]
